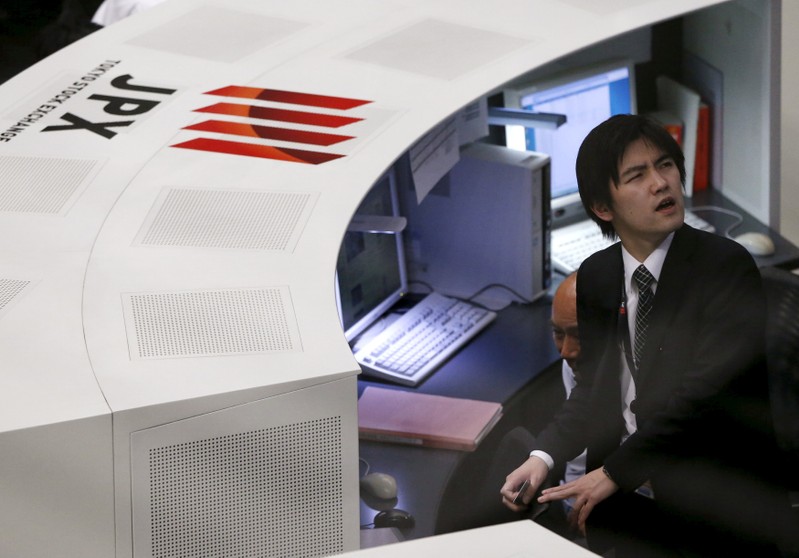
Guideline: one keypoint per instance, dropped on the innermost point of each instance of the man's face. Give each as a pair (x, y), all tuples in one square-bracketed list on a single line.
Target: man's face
[(647, 201), (564, 322)]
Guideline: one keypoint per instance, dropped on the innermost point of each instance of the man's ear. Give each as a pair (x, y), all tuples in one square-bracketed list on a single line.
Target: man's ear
[(603, 212)]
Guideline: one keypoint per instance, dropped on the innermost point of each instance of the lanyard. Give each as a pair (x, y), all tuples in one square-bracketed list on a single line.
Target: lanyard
[(623, 330)]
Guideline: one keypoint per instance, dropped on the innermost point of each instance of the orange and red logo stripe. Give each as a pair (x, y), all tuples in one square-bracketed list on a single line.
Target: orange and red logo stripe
[(274, 133)]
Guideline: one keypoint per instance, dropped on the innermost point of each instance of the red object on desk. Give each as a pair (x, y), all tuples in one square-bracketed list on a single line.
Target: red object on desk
[(436, 421), (702, 163)]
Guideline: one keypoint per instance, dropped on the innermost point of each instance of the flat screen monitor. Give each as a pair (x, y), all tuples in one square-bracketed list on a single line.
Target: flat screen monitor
[(371, 274), (587, 96)]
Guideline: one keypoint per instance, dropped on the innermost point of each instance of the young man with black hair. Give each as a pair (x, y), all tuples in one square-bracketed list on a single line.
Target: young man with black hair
[(671, 398)]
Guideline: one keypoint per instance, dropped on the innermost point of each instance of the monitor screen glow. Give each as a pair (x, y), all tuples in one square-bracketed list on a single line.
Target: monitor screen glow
[(587, 97), (370, 273)]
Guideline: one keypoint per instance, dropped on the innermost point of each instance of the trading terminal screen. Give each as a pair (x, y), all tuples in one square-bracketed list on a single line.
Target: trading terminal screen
[(370, 270), (587, 97)]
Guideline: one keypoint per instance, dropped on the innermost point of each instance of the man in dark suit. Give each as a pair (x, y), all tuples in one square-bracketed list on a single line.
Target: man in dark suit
[(671, 398)]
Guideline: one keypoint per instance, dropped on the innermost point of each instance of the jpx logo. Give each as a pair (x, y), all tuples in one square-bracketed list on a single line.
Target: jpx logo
[(125, 106), (262, 135)]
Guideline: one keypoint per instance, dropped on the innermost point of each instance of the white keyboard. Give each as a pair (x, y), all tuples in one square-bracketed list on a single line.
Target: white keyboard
[(420, 340), (574, 243)]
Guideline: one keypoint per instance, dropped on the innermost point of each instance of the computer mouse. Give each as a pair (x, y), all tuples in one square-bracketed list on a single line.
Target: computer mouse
[(394, 518), (758, 244), (379, 485)]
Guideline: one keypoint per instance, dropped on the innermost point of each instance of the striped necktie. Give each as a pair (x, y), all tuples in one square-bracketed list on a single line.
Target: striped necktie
[(643, 279)]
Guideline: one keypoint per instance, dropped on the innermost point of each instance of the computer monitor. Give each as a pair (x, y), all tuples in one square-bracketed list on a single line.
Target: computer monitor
[(587, 96), (371, 274)]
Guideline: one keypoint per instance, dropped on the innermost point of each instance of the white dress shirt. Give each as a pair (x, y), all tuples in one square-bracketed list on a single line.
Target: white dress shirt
[(654, 263)]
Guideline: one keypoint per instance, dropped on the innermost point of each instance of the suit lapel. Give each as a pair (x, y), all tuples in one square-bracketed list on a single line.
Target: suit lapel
[(608, 294), (609, 285), (674, 276), (605, 292)]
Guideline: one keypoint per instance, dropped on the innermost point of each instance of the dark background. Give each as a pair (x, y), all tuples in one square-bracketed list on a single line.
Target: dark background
[(33, 29)]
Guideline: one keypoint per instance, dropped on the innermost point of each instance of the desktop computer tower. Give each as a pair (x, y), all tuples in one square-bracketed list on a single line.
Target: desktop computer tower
[(487, 222)]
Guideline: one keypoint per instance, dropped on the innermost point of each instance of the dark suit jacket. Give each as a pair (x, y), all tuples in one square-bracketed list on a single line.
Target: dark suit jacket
[(701, 392)]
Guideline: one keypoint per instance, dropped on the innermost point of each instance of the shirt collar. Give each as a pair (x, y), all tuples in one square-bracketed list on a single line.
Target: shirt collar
[(653, 262)]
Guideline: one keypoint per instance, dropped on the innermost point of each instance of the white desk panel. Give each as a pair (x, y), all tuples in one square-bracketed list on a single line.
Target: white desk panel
[(519, 539), (415, 62), (46, 374)]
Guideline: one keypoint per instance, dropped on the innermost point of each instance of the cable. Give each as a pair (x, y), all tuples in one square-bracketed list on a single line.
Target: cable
[(738, 217), (470, 299), (521, 298), (422, 283)]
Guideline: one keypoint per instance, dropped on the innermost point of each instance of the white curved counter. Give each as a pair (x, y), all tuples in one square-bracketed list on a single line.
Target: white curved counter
[(168, 256)]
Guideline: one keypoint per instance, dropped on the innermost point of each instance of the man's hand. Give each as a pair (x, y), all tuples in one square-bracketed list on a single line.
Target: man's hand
[(587, 491), (535, 470)]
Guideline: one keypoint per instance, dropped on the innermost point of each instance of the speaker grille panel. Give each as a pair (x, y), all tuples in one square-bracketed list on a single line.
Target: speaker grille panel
[(39, 184), (274, 492), (9, 289), (217, 34), (206, 323), (409, 49), (227, 219)]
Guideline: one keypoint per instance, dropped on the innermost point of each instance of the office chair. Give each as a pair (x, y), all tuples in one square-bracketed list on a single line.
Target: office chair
[(782, 347)]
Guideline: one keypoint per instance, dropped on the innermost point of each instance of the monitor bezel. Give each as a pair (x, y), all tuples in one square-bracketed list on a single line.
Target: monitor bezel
[(566, 208), (352, 332), (513, 95)]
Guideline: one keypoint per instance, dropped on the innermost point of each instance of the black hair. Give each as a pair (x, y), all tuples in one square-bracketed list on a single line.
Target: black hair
[(601, 153)]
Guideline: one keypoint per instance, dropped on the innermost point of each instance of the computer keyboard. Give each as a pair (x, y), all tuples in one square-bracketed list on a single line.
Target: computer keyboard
[(574, 243), (417, 342)]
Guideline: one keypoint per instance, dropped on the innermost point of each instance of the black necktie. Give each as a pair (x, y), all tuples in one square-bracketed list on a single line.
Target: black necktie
[(644, 280)]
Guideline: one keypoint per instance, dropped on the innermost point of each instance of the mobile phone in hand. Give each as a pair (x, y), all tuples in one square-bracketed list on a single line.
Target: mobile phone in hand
[(522, 489)]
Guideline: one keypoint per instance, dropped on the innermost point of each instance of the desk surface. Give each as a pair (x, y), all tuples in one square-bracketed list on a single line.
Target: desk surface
[(786, 253), (497, 365), (498, 362), (520, 539)]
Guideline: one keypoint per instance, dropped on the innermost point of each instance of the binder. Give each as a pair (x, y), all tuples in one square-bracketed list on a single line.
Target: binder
[(683, 102), (702, 165), (435, 421), (672, 124)]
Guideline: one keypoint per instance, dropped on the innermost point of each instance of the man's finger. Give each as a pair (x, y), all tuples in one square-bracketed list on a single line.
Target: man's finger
[(585, 511)]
